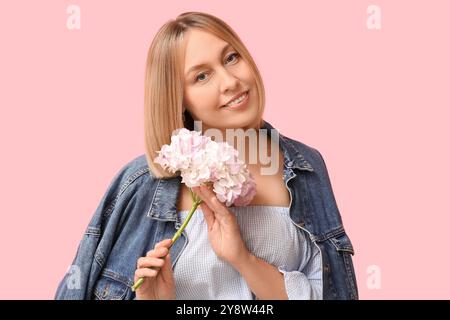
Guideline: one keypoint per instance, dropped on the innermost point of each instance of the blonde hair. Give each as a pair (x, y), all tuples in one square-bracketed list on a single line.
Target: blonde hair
[(163, 99)]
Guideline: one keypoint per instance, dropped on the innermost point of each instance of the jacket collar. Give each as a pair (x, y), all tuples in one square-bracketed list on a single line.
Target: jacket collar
[(292, 156), (165, 198)]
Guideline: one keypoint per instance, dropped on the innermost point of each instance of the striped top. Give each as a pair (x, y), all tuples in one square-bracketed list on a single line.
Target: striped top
[(270, 235)]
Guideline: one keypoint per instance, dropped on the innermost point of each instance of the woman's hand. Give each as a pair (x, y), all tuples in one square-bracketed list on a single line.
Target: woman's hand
[(159, 284), (223, 230)]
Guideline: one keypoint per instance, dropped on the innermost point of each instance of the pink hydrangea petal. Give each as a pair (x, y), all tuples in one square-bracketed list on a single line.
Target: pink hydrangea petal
[(200, 160)]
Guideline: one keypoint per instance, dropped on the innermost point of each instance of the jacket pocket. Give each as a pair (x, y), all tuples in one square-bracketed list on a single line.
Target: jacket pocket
[(345, 249), (109, 287), (342, 243)]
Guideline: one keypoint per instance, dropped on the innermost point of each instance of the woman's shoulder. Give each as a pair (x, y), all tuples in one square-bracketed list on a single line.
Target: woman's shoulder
[(134, 177), (309, 154), (132, 173), (137, 166)]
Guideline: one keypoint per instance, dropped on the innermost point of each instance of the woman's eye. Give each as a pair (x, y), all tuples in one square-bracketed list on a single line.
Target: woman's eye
[(197, 78), (233, 54)]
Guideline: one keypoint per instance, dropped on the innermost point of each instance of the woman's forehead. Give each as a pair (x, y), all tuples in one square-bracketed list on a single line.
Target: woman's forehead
[(201, 48), (196, 36)]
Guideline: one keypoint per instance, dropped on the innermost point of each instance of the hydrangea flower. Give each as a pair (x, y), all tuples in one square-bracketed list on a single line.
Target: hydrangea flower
[(201, 160)]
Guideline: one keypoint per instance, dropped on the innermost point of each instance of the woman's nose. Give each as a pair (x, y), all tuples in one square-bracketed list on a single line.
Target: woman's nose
[(229, 81)]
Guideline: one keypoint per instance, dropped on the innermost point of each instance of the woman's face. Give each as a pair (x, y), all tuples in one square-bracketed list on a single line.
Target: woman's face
[(223, 74)]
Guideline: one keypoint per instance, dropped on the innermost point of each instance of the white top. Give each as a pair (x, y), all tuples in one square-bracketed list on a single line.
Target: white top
[(270, 235)]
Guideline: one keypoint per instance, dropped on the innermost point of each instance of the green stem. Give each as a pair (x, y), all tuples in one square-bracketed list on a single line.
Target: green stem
[(197, 202)]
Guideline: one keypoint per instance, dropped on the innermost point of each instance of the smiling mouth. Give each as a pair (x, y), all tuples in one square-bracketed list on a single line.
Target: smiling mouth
[(237, 101)]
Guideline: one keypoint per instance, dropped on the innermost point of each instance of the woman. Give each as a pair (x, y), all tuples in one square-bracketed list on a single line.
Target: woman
[(288, 243)]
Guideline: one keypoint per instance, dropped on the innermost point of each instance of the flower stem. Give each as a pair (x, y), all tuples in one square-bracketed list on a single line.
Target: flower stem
[(197, 202), (186, 221)]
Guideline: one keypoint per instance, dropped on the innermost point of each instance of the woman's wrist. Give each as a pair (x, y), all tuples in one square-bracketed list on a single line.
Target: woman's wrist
[(245, 261)]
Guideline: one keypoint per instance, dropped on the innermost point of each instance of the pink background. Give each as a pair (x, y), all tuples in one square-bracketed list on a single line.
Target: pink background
[(374, 102)]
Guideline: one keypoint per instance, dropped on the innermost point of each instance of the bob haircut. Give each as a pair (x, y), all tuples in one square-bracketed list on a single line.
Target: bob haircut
[(164, 82)]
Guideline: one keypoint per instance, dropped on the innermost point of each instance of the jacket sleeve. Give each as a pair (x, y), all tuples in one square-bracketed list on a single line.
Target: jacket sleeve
[(342, 243), (78, 282)]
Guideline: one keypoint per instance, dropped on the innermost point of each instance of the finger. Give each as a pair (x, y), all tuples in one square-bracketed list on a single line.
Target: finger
[(158, 252), (145, 273), (208, 214), (197, 191), (164, 243), (145, 262), (166, 270), (202, 194), (211, 200)]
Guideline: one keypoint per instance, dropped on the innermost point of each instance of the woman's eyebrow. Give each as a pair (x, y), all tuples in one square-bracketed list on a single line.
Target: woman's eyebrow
[(201, 65)]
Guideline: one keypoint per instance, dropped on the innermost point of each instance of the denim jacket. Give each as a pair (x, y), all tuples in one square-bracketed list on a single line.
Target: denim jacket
[(138, 210)]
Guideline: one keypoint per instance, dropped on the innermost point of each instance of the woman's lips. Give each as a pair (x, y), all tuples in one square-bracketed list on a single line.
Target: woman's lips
[(240, 104)]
